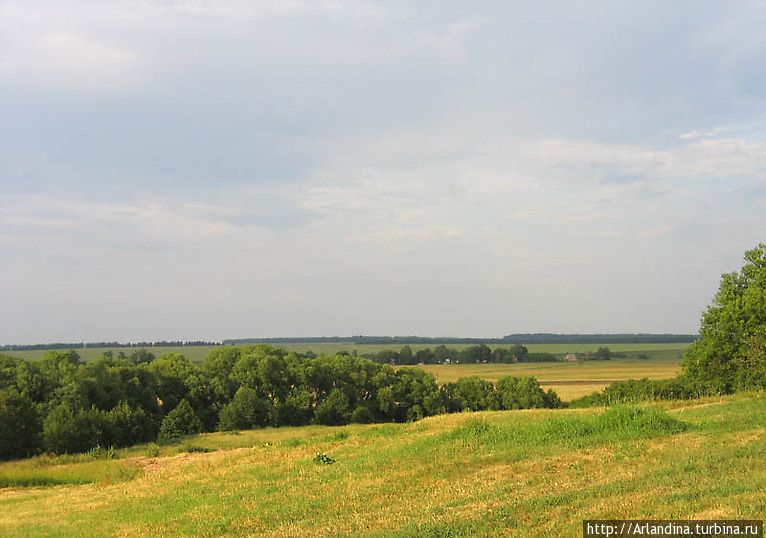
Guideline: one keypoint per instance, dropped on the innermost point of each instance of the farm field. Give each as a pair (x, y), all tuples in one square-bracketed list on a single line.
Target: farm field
[(197, 353), (509, 473), (568, 379)]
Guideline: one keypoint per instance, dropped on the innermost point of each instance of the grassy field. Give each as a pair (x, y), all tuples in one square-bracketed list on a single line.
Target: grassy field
[(197, 353), (512, 473)]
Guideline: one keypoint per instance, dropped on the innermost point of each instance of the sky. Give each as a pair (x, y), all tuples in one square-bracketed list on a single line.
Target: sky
[(209, 170)]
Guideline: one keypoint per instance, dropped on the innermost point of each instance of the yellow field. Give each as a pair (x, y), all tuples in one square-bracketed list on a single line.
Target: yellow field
[(568, 379)]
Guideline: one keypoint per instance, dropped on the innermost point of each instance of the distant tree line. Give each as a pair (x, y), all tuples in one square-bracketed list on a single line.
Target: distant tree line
[(470, 355), (61, 404), (98, 345), (528, 338)]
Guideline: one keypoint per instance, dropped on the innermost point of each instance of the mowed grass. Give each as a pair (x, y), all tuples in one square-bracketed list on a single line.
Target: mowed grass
[(511, 473), (197, 353)]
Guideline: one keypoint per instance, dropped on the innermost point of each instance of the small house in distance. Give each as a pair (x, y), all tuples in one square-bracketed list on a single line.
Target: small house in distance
[(570, 357)]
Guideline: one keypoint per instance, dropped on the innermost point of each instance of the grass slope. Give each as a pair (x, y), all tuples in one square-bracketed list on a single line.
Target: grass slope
[(512, 473)]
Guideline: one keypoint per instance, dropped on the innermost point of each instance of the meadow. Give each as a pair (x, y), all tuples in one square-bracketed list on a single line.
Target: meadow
[(508, 473)]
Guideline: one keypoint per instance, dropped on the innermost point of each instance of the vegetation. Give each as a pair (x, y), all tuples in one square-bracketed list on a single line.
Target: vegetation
[(520, 473), (63, 405)]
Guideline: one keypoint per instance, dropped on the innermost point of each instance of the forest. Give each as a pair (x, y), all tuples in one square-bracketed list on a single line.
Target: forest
[(61, 404)]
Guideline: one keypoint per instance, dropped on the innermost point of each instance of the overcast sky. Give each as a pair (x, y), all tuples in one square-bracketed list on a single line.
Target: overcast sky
[(190, 169)]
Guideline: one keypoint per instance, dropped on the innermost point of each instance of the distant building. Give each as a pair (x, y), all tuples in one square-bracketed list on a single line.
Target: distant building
[(570, 357)]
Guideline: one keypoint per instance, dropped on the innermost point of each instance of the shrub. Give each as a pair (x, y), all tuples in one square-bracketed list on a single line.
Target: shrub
[(323, 459), (179, 422), (129, 425), (152, 450), (67, 429), (20, 426), (524, 393), (100, 453), (362, 415), (334, 410), (246, 411)]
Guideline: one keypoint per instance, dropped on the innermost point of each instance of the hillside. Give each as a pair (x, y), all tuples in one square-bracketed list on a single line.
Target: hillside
[(511, 473)]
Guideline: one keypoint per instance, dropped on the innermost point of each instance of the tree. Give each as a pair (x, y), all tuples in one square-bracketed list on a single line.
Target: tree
[(20, 426), (247, 410), (730, 329), (67, 429), (180, 421), (524, 393), (334, 410)]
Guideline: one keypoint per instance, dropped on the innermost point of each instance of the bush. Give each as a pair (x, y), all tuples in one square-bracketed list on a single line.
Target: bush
[(524, 393), (323, 459), (20, 426), (128, 425), (67, 430), (179, 422), (334, 410), (100, 453), (152, 450), (246, 411), (362, 415)]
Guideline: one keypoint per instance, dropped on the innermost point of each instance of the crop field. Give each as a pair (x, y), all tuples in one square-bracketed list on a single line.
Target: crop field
[(568, 379), (197, 353), (509, 473)]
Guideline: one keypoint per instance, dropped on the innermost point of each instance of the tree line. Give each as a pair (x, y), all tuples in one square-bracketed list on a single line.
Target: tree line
[(61, 404), (97, 345), (479, 354)]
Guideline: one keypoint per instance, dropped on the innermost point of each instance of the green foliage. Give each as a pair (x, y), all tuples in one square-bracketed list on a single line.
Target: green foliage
[(730, 330), (362, 415), (129, 425), (323, 459), (100, 453), (334, 410), (20, 426), (247, 410), (642, 421), (179, 422), (524, 393), (637, 390), (152, 450), (67, 429)]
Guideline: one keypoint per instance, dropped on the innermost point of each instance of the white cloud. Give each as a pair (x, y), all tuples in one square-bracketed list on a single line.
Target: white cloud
[(69, 60)]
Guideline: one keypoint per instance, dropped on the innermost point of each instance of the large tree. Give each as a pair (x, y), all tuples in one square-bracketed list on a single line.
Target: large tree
[(732, 331)]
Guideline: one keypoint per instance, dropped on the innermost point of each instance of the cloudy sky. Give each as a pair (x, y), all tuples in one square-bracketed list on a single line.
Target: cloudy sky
[(191, 169)]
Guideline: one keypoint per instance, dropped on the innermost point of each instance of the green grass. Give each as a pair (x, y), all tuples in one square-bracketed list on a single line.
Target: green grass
[(506, 473)]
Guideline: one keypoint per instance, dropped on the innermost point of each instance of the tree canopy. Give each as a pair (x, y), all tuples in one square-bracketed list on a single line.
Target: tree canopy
[(729, 354)]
